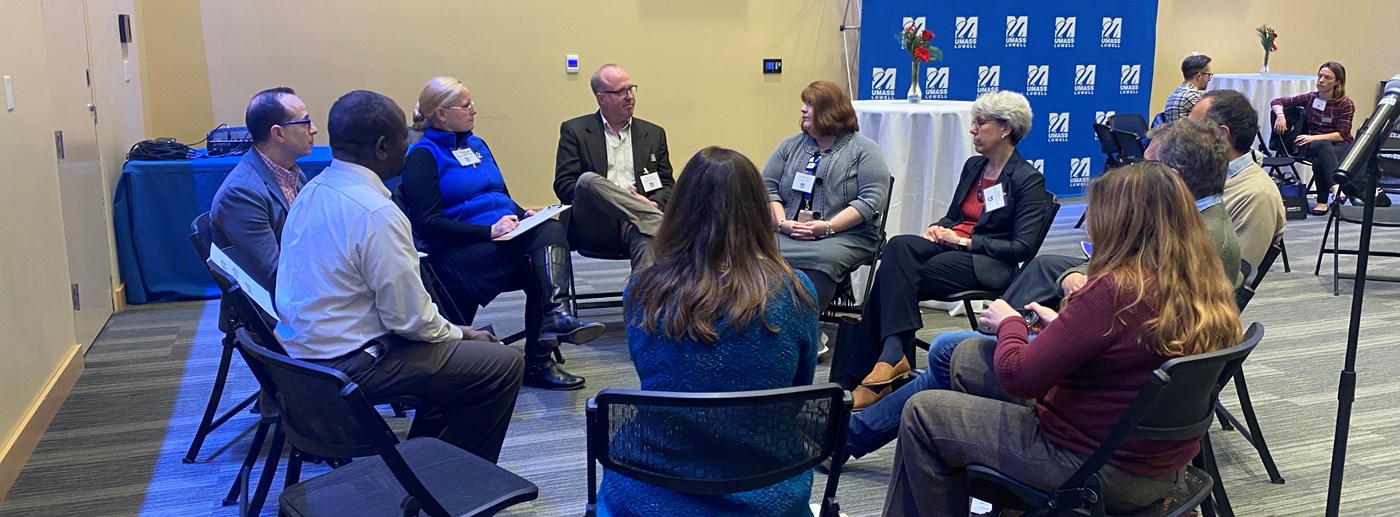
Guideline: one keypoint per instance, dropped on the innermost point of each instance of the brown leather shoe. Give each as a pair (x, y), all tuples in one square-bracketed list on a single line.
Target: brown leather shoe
[(863, 397), (883, 374)]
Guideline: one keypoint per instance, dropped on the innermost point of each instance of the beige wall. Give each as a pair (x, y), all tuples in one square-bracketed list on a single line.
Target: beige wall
[(174, 74), (1360, 37), (35, 313), (697, 63)]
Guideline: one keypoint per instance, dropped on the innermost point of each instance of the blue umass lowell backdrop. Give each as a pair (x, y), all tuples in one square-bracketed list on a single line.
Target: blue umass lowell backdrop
[(1077, 61)]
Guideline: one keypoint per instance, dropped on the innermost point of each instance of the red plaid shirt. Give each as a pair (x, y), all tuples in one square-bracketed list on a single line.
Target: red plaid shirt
[(1335, 117), (288, 179)]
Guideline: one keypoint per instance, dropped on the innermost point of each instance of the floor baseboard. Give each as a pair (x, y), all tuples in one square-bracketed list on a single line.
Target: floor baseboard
[(18, 447)]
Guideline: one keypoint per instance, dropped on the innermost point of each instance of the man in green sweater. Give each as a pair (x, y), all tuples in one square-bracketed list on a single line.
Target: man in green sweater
[(1251, 197)]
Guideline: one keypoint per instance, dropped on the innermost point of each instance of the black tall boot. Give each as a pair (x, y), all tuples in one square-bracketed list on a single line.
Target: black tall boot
[(552, 274)]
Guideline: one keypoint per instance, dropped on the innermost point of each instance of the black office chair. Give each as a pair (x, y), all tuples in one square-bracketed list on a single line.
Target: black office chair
[(742, 440), (1175, 404), (201, 236), (1130, 146), (1159, 119), (326, 414), (1131, 122), (967, 297), (845, 301)]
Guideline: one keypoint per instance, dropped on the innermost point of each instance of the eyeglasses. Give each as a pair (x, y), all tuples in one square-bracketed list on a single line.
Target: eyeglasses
[(306, 121), (622, 92), (469, 105), (979, 122), (1209, 74)]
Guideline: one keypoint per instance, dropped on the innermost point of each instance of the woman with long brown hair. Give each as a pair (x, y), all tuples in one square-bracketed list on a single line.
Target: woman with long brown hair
[(718, 310), (1156, 290), (1327, 135)]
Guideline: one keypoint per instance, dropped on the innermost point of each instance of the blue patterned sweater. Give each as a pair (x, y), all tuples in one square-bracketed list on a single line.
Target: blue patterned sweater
[(754, 359)]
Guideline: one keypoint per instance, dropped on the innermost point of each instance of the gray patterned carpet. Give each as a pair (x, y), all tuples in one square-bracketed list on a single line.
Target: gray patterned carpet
[(115, 447)]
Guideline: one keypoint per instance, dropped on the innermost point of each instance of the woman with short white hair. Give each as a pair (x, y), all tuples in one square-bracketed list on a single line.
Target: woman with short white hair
[(995, 215)]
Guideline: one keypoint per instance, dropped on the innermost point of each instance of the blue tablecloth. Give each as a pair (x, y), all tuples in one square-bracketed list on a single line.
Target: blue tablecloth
[(155, 203)]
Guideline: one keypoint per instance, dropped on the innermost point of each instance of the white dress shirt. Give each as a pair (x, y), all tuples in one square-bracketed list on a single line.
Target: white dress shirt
[(620, 171), (348, 272)]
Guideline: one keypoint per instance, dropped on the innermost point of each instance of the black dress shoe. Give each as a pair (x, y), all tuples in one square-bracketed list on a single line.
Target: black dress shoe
[(569, 329), (549, 375)]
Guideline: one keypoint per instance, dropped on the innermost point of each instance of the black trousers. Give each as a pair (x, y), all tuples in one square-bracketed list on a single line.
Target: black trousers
[(476, 273), (911, 269), (470, 387), (1325, 157), (826, 287)]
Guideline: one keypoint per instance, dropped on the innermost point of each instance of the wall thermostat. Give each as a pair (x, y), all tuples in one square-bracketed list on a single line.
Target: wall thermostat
[(571, 64), (772, 66)]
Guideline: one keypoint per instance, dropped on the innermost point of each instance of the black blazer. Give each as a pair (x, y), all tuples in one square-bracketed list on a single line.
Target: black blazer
[(582, 148), (1002, 238)]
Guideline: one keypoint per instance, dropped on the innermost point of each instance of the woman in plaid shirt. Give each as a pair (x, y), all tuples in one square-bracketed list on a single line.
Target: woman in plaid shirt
[(1327, 136)]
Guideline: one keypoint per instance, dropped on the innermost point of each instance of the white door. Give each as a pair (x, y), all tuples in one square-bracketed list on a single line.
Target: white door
[(82, 190)]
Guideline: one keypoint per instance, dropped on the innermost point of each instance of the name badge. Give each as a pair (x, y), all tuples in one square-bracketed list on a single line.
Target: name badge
[(1319, 104), (466, 157), (1326, 120), (804, 182), (994, 197), (650, 181)]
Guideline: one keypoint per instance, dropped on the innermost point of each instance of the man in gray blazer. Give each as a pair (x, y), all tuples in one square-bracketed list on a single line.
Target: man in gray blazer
[(251, 205), (615, 170)]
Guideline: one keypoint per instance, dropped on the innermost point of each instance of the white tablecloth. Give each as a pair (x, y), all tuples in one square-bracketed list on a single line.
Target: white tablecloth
[(925, 145), (1261, 89)]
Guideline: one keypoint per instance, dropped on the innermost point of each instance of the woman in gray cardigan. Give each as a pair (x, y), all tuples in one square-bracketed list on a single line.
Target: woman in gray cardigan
[(827, 185)]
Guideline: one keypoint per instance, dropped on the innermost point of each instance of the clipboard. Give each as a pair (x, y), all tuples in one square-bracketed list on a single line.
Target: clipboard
[(529, 223)]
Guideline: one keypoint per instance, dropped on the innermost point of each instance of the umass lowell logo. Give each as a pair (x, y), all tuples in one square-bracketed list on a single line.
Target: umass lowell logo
[(988, 79), (1039, 164), (1059, 127), (1064, 31), (1111, 36), (1016, 31), (1102, 117), (1079, 171), (936, 83), (917, 23), (882, 83), (1038, 80), (1084, 77), (966, 34), (1131, 80)]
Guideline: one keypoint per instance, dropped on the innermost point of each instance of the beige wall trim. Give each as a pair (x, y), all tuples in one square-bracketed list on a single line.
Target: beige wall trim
[(31, 428), (119, 297)]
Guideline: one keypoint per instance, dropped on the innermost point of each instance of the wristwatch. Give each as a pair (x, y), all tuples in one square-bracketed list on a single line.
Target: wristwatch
[(965, 243)]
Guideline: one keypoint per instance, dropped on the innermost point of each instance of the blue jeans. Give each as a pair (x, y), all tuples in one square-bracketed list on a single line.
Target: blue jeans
[(878, 425)]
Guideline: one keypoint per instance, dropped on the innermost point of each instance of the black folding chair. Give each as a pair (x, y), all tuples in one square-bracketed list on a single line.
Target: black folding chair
[(1251, 430), (201, 236), (1338, 213), (967, 297), (1175, 404), (1282, 151), (741, 441), (326, 414), (588, 244), (845, 301), (1108, 145)]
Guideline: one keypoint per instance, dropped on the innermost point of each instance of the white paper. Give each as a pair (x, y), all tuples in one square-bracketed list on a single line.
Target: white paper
[(804, 182), (1319, 104), (651, 182), (466, 156), (541, 216), (255, 291), (994, 197)]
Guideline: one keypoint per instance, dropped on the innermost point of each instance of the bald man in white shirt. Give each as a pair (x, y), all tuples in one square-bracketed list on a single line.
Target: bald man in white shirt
[(349, 293)]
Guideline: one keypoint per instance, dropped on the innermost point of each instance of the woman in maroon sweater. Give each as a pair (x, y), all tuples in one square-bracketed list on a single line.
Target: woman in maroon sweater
[(1156, 290)]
